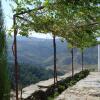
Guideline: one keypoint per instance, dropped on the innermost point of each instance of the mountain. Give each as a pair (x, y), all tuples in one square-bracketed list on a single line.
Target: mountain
[(35, 59), (39, 52)]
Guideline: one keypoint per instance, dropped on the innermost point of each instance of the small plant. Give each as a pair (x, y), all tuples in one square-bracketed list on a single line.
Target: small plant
[(56, 94), (61, 88), (50, 98), (72, 83)]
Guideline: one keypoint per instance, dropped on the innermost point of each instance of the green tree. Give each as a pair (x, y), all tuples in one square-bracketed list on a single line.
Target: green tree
[(71, 47), (43, 21), (4, 81), (64, 16), (82, 41), (82, 22), (59, 17)]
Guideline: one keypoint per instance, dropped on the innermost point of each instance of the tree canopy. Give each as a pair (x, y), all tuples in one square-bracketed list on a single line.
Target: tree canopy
[(62, 17)]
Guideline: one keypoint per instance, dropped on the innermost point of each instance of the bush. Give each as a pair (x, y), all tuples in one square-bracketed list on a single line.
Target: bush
[(61, 88), (39, 95)]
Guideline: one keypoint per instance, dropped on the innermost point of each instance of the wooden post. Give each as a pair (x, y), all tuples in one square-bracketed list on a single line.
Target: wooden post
[(15, 56), (98, 57), (55, 69), (82, 60), (72, 51)]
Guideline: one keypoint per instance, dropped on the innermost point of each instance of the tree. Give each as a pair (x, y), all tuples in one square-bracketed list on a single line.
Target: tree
[(80, 19), (82, 41), (71, 15), (83, 20), (71, 46), (59, 17), (4, 81), (43, 21)]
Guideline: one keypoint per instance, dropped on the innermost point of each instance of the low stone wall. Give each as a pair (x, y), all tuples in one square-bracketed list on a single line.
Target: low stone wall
[(43, 90)]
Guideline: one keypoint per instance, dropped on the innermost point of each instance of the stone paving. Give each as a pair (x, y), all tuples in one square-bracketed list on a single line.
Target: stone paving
[(86, 89)]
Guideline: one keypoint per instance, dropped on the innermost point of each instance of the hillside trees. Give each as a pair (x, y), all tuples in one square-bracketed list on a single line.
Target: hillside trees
[(4, 81)]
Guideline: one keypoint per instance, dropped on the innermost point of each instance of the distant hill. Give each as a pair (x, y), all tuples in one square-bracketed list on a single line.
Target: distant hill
[(35, 59), (39, 52)]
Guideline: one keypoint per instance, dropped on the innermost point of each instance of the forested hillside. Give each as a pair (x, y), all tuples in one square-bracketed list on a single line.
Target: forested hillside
[(35, 57), (30, 74), (35, 51)]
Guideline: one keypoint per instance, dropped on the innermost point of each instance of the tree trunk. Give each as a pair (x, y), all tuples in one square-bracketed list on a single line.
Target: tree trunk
[(72, 62), (55, 69), (82, 60), (15, 57), (21, 93)]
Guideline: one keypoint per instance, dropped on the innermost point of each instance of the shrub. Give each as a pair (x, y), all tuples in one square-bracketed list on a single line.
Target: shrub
[(39, 95), (61, 88)]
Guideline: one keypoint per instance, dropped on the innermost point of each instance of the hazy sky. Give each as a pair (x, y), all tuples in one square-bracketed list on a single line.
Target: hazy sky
[(8, 14)]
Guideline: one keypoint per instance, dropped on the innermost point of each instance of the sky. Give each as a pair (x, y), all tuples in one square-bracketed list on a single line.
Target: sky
[(8, 15)]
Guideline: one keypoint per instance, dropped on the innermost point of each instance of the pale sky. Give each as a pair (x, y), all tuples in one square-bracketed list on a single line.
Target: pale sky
[(8, 14)]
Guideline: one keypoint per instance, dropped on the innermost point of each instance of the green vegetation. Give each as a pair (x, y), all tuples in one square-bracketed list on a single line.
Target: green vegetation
[(4, 81), (30, 75), (72, 20), (61, 18)]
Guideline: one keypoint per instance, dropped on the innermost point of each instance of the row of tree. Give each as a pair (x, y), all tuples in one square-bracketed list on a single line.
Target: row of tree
[(77, 21)]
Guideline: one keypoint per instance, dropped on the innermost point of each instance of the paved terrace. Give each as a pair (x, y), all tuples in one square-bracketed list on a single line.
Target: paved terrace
[(86, 89)]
